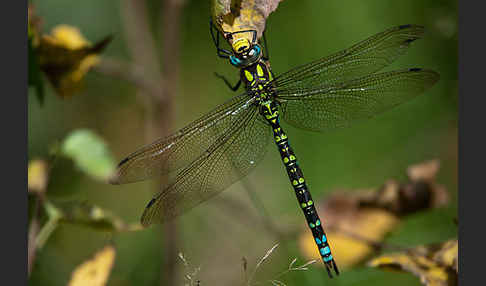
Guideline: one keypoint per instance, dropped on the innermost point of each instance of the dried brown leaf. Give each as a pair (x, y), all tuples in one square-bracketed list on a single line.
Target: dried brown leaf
[(447, 254), (435, 265), (239, 15), (353, 233), (426, 171), (66, 56), (420, 192)]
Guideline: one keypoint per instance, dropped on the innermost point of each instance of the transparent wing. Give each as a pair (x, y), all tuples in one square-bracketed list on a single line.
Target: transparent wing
[(364, 58), (319, 109), (184, 146), (233, 156)]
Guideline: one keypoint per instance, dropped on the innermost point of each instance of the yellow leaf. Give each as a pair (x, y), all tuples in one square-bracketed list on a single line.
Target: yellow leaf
[(353, 240), (94, 272), (69, 37), (433, 264), (37, 175), (66, 56), (447, 255)]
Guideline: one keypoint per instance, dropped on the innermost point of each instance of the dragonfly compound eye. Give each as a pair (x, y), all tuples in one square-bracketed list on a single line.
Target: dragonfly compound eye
[(235, 61), (256, 49)]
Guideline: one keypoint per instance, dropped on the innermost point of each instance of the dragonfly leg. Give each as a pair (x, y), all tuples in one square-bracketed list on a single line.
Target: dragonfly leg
[(226, 81), (222, 53)]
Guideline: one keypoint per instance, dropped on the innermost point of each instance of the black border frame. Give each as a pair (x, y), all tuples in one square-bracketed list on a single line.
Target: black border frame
[(471, 150), (14, 121)]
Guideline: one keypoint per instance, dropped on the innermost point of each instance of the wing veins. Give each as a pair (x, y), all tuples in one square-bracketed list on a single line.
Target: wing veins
[(381, 42), (353, 100), (147, 217), (161, 157)]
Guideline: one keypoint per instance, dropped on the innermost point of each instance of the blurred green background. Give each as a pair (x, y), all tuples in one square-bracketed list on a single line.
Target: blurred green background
[(211, 236)]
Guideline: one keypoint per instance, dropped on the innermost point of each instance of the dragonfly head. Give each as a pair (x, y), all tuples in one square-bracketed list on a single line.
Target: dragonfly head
[(245, 51), (249, 56)]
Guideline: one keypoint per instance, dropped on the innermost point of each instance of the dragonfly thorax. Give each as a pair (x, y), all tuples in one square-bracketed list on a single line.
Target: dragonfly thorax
[(256, 77)]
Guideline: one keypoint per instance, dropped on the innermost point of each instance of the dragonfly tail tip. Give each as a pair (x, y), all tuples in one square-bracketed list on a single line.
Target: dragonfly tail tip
[(331, 265)]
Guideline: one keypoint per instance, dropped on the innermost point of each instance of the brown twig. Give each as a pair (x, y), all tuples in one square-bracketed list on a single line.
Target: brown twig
[(159, 102), (142, 47), (170, 16), (139, 38), (32, 236), (132, 73)]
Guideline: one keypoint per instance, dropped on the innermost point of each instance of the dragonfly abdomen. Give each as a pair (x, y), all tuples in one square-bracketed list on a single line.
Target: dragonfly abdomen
[(270, 111)]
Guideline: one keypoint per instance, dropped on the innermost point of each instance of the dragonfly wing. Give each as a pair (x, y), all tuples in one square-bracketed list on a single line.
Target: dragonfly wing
[(320, 109), (184, 146), (233, 156), (363, 58)]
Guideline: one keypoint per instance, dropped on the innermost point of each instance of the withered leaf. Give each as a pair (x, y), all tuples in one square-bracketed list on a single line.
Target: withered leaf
[(96, 271), (66, 56), (239, 15), (354, 232), (435, 264)]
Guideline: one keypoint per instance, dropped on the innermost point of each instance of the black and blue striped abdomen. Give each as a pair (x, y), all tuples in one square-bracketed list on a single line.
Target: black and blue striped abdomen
[(269, 110), (302, 193)]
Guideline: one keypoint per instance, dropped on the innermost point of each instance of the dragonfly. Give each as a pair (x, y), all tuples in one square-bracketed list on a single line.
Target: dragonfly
[(224, 145)]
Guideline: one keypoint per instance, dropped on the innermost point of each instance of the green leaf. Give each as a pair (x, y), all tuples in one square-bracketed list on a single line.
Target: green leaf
[(90, 153)]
